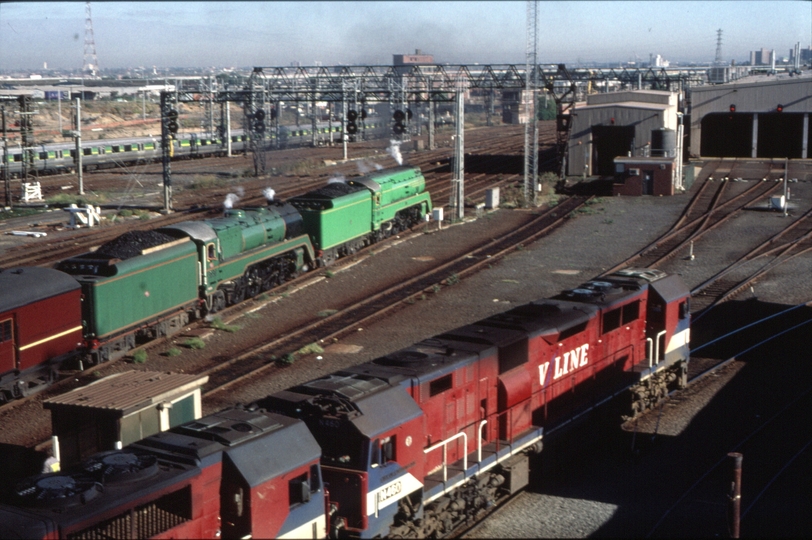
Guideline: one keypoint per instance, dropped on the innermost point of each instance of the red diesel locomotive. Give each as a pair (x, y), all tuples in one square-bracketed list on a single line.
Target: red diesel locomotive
[(411, 444)]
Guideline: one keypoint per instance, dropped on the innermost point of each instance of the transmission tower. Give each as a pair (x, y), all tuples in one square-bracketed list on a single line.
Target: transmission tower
[(531, 84), (91, 63), (719, 60)]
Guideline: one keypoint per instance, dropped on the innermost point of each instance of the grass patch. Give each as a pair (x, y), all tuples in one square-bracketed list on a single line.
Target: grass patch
[(329, 273), (140, 357), (510, 281), (435, 288), (453, 279), (326, 312), (288, 358), (194, 343), (312, 348), (66, 199), (19, 212), (218, 324), (173, 351), (252, 315)]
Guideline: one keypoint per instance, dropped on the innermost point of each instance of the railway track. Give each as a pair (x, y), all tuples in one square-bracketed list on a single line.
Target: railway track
[(793, 241), (705, 212)]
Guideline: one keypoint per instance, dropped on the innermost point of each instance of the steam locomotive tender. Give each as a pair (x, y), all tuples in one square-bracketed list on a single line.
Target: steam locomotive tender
[(411, 444)]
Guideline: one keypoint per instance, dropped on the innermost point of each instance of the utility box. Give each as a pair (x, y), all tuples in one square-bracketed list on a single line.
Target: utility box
[(437, 214), (492, 198), (121, 409)]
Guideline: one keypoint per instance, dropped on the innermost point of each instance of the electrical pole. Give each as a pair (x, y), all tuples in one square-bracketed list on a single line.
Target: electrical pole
[(531, 127), (6, 176), (77, 137)]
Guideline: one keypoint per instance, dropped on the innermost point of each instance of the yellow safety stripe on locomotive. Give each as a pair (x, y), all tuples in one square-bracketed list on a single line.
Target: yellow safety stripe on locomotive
[(55, 336)]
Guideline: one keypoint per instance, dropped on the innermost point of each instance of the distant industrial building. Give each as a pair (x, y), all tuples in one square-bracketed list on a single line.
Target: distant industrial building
[(804, 54), (761, 58), (416, 59)]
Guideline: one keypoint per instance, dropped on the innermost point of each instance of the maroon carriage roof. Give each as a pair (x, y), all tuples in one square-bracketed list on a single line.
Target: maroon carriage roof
[(27, 284)]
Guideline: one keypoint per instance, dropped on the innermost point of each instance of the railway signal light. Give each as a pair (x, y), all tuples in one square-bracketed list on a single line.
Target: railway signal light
[(780, 108), (399, 116), (259, 116), (352, 115), (732, 108), (352, 128)]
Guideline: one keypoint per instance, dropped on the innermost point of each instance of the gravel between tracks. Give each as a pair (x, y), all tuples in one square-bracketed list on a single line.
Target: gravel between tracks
[(613, 229)]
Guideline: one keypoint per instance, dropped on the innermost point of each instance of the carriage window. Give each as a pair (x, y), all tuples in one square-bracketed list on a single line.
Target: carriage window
[(5, 330), (611, 320), (211, 253), (631, 312)]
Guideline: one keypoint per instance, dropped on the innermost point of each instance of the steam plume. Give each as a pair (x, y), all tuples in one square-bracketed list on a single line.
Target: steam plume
[(269, 193), (394, 151), (231, 200)]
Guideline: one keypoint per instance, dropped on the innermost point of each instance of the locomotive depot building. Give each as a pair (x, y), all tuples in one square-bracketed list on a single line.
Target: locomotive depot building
[(637, 136)]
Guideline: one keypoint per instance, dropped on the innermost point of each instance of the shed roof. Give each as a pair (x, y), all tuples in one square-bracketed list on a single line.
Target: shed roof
[(127, 392)]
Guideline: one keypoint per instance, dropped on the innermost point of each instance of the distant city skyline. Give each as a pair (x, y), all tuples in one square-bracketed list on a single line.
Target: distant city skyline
[(239, 34)]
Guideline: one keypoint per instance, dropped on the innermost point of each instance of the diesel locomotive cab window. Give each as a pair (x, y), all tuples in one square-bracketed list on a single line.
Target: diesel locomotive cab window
[(383, 451), (211, 253), (440, 385), (684, 309), (611, 320), (299, 490), (631, 312)]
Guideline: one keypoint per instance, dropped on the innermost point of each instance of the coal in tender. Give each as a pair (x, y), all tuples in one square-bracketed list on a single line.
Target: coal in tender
[(334, 190), (130, 244)]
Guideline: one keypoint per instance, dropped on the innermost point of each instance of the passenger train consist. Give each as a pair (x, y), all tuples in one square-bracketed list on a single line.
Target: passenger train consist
[(55, 158), (184, 271), (407, 445)]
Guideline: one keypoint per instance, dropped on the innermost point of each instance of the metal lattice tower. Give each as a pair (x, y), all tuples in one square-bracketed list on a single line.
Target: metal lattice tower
[(531, 126), (91, 63), (718, 61)]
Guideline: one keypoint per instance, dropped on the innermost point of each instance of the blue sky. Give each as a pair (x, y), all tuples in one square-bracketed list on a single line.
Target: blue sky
[(221, 34)]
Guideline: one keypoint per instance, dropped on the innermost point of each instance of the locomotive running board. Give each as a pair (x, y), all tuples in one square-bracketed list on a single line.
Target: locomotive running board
[(435, 487)]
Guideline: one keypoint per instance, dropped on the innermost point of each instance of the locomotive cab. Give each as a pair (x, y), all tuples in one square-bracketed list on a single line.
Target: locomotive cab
[(370, 432)]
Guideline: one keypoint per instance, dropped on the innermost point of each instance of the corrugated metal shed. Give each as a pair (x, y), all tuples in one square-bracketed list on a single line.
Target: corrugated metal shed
[(121, 409), (642, 111), (127, 392)]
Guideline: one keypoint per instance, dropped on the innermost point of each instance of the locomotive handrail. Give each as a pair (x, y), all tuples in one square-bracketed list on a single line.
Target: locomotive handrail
[(444, 445), (479, 441), (657, 346), (650, 347)]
